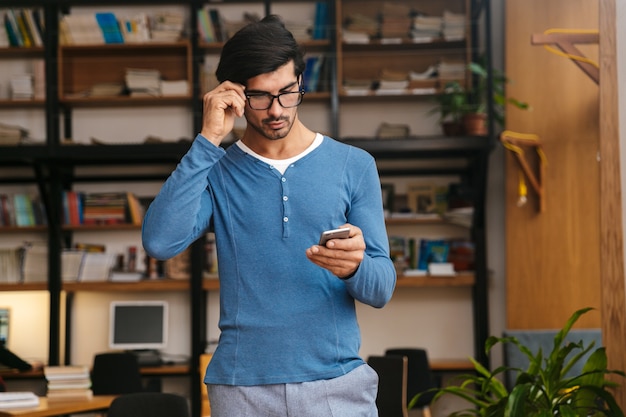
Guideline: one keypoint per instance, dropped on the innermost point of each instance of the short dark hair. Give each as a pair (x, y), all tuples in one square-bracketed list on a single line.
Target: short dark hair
[(259, 48)]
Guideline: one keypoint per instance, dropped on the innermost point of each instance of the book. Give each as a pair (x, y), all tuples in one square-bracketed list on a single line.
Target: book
[(96, 266), (63, 372), (311, 75), (31, 26), (135, 29), (320, 23), (218, 26), (432, 251), (22, 28), (205, 26), (69, 395), (71, 261), (110, 27), (13, 29)]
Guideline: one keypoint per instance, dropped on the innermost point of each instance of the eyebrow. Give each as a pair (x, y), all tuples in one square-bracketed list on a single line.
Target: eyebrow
[(287, 87)]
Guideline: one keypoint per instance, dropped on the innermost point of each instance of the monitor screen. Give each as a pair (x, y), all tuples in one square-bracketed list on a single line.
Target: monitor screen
[(4, 326), (136, 325)]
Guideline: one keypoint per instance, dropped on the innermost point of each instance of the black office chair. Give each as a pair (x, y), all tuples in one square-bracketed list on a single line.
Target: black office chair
[(392, 371), (420, 377), (115, 373), (149, 404)]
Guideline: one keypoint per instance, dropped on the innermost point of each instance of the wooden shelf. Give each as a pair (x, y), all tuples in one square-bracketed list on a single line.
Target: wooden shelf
[(101, 227), (22, 229), (144, 285), (34, 286), (21, 104), (459, 280), (122, 101), (403, 44), (21, 52)]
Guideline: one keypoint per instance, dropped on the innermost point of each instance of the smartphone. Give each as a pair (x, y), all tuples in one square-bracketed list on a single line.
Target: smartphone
[(341, 233)]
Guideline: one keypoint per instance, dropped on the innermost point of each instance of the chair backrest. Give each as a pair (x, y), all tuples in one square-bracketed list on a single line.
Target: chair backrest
[(392, 379), (115, 373), (149, 404), (420, 376)]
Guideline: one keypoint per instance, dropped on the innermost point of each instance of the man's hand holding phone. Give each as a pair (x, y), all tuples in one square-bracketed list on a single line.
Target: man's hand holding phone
[(220, 108), (340, 251)]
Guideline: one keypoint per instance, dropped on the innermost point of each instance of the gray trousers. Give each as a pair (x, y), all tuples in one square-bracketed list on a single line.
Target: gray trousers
[(350, 395)]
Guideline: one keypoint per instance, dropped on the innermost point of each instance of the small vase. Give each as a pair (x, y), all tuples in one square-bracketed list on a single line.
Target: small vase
[(452, 128), (475, 124)]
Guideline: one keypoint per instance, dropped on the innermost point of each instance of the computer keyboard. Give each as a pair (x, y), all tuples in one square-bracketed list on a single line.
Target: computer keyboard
[(18, 399)]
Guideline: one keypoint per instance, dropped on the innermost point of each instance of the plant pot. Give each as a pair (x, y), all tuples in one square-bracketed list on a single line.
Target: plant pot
[(452, 128), (475, 124)]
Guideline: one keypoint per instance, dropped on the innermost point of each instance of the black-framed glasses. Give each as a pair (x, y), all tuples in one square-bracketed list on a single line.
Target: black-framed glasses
[(263, 101)]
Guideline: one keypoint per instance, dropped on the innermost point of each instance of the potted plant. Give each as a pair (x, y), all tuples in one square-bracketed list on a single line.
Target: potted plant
[(545, 389), (475, 114), (452, 105)]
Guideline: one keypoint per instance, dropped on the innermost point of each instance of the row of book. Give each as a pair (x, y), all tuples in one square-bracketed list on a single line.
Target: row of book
[(107, 28), (22, 210), (81, 208), (400, 81), (23, 27), (68, 383), (213, 27), (413, 254), (397, 21)]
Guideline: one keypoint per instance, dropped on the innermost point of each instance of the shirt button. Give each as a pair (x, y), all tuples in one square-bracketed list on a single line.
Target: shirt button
[(285, 219), (283, 179), (285, 198)]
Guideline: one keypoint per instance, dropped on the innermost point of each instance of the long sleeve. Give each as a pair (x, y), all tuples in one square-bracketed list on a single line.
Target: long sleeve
[(182, 210)]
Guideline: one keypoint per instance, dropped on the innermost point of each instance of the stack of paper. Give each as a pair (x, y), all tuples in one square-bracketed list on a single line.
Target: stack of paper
[(68, 383)]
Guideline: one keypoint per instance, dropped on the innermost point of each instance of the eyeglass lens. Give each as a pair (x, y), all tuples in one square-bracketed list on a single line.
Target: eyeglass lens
[(265, 101)]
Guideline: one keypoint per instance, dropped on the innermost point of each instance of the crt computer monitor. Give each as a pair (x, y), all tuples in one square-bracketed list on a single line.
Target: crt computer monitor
[(138, 325)]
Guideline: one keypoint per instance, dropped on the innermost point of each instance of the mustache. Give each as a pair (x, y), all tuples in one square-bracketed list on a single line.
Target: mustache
[(276, 119)]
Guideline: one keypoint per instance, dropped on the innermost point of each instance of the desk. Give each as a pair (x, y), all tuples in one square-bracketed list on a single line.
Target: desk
[(60, 408), (163, 370)]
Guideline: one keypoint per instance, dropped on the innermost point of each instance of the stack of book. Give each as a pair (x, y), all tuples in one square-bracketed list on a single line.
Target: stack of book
[(10, 265), (22, 87), (143, 82), (12, 135), (396, 20), (167, 26), (426, 28), (453, 26), (68, 383)]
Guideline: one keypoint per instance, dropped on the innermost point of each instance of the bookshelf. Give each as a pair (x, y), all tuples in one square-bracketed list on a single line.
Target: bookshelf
[(56, 165)]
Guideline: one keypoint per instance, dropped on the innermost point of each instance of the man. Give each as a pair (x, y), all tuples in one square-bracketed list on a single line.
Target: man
[(289, 337)]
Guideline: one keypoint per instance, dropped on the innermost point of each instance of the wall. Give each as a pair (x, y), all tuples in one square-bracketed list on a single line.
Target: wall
[(553, 259)]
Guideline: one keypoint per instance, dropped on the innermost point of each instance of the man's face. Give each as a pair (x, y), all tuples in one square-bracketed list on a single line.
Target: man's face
[(276, 121)]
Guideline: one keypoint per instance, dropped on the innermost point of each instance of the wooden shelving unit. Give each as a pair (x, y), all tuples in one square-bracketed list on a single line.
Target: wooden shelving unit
[(71, 70)]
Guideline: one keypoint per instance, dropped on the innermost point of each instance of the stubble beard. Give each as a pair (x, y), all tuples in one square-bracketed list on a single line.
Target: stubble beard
[(273, 134)]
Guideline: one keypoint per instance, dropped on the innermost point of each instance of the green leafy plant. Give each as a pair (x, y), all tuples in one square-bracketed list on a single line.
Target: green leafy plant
[(458, 106), (477, 99), (545, 389), (452, 103)]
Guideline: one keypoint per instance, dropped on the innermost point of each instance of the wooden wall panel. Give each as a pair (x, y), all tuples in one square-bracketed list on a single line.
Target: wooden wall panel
[(553, 258)]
